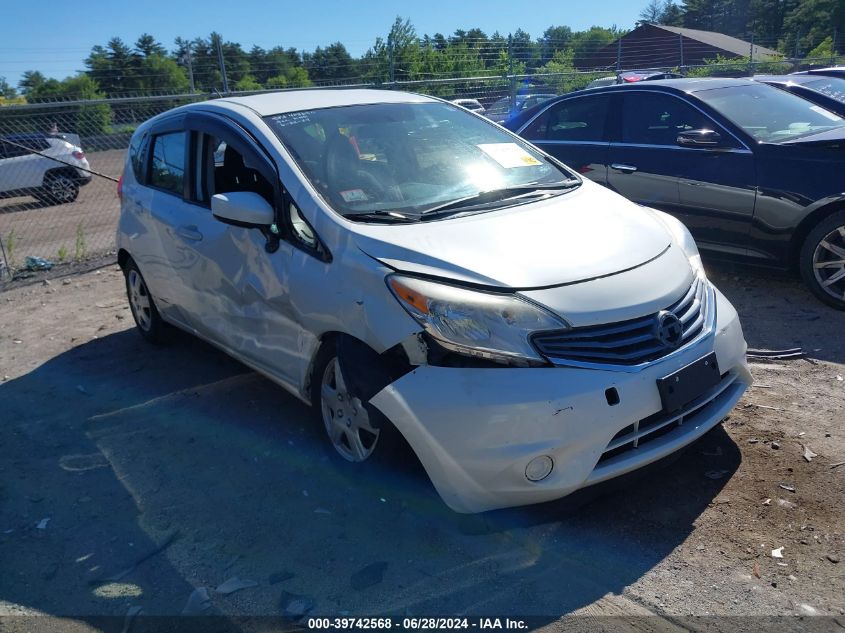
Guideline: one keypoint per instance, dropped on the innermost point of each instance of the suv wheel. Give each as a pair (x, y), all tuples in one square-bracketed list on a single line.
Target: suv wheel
[(149, 322), (822, 260), (59, 189)]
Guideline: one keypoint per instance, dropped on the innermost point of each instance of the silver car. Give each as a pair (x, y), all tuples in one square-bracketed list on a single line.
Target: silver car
[(417, 274)]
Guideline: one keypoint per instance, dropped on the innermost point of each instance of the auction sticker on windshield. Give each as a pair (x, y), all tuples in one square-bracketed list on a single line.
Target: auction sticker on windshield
[(509, 155)]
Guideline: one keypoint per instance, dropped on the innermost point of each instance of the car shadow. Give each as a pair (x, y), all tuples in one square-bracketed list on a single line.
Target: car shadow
[(165, 468), (30, 204), (777, 312)]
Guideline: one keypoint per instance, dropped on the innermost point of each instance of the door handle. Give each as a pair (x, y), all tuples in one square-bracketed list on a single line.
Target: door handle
[(628, 169), (190, 233)]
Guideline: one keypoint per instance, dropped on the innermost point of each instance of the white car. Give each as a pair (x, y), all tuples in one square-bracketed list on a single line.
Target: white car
[(48, 168), (416, 272), (473, 105)]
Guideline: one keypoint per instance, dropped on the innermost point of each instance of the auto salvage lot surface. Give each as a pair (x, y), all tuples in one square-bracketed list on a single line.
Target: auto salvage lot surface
[(131, 475)]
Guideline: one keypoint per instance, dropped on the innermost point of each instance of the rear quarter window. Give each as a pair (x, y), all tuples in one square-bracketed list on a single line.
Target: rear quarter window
[(137, 152), (167, 169)]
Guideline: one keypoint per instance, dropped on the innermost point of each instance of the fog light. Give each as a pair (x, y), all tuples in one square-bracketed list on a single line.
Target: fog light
[(539, 468)]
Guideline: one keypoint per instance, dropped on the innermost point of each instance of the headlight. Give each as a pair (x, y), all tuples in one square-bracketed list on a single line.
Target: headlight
[(482, 324), (682, 237)]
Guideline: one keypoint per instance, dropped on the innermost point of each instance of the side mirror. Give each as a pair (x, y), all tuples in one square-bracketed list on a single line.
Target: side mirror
[(699, 138), (242, 208)]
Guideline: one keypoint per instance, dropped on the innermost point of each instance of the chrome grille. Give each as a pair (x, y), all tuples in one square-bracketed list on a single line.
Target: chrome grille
[(627, 342)]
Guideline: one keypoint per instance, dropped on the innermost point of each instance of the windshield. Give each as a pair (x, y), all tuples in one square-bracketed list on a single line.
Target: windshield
[(407, 158), (833, 87), (769, 114)]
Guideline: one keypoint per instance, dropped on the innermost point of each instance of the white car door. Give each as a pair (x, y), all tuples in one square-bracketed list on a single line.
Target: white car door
[(236, 289), (164, 251)]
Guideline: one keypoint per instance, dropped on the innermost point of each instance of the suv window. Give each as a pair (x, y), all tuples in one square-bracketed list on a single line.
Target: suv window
[(168, 164), (224, 171), (581, 119), (657, 119), (22, 145)]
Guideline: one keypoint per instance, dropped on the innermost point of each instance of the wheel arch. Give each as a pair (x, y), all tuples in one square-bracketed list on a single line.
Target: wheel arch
[(64, 170), (123, 258), (806, 225), (383, 368)]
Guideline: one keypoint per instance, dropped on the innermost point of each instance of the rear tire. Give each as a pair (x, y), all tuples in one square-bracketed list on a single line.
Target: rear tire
[(147, 319), (58, 189), (822, 260)]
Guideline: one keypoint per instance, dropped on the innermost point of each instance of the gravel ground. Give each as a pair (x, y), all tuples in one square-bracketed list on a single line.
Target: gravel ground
[(131, 475)]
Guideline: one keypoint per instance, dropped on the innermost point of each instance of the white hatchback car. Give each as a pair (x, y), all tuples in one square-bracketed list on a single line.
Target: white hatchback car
[(49, 168), (409, 268)]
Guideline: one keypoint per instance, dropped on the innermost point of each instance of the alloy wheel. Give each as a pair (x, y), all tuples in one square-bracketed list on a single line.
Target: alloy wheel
[(829, 263), (63, 189)]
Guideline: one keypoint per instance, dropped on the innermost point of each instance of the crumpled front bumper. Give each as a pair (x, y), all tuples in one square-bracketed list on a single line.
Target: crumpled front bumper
[(475, 430)]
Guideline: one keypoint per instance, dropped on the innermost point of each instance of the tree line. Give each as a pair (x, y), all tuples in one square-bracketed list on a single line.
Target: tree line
[(117, 69), (794, 27), (209, 64)]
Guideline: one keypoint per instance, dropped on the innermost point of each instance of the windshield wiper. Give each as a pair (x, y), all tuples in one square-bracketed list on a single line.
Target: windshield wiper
[(382, 215), (497, 195)]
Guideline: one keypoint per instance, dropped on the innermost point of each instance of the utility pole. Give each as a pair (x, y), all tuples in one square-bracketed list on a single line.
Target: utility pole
[(222, 64), (751, 57), (188, 60), (618, 54), (833, 49), (681, 49), (391, 71), (512, 81), (797, 39)]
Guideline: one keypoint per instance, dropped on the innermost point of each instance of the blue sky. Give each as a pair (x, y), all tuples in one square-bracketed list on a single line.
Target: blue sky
[(55, 37)]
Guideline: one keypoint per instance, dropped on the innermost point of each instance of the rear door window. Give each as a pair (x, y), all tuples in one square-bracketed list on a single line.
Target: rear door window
[(168, 163), (651, 118), (582, 119)]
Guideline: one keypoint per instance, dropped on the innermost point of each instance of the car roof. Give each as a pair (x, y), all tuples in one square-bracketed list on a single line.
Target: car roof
[(269, 103), (686, 84), (788, 79), (24, 136), (683, 84)]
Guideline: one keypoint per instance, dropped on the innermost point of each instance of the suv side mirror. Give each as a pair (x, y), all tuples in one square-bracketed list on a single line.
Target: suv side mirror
[(699, 138), (242, 208)]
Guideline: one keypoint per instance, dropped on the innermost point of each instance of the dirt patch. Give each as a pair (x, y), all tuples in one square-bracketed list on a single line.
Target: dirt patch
[(122, 446)]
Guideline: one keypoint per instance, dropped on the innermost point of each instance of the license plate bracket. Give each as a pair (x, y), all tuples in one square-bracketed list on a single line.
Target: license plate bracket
[(689, 382)]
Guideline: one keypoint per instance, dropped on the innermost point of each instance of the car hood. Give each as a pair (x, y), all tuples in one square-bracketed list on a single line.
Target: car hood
[(583, 234)]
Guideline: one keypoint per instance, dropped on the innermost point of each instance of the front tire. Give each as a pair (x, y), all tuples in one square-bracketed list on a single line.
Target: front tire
[(147, 319), (822, 260), (354, 432)]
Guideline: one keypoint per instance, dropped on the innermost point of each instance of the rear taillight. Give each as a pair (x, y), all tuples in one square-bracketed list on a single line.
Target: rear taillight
[(120, 187), (80, 155)]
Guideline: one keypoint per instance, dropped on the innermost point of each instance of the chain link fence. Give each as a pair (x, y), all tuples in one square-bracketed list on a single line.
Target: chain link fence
[(59, 162)]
